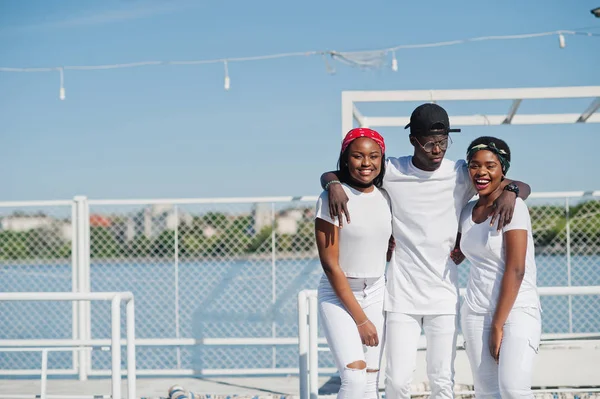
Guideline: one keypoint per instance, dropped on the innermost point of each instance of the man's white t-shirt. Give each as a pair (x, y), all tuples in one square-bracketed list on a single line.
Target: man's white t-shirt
[(483, 246), (421, 277), (363, 243)]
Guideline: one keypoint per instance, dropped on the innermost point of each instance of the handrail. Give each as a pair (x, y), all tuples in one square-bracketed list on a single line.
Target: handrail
[(233, 200), (116, 298), (308, 341)]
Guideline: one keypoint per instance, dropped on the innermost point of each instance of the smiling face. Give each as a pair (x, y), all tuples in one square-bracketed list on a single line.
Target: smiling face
[(364, 161), (486, 172)]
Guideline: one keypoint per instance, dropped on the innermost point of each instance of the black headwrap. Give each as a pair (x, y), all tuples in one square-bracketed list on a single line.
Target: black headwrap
[(500, 153)]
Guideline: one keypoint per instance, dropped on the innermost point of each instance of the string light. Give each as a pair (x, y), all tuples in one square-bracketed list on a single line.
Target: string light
[(362, 59), (61, 92), (330, 70), (227, 80)]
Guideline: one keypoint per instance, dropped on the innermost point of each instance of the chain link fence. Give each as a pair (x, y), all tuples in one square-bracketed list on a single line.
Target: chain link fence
[(35, 256), (204, 269)]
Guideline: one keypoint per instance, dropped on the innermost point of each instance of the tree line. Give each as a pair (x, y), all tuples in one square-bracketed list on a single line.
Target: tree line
[(216, 235)]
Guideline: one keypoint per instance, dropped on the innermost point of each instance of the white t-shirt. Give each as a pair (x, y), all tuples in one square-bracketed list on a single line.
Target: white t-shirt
[(421, 277), (363, 242), (483, 246)]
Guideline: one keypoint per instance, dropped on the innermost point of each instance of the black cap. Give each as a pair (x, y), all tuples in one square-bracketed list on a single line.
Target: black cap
[(429, 119)]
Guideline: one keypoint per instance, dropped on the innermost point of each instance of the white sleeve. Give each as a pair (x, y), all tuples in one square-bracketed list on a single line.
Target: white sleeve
[(387, 198), (322, 210), (465, 179), (466, 212), (521, 219), (462, 218)]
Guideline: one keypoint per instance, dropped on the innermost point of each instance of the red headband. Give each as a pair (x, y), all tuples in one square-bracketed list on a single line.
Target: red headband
[(363, 132)]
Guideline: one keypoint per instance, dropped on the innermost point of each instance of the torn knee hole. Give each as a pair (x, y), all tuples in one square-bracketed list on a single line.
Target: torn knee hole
[(359, 365)]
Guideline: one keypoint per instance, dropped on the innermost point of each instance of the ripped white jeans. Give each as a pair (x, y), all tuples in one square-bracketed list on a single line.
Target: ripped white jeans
[(343, 337), (511, 377)]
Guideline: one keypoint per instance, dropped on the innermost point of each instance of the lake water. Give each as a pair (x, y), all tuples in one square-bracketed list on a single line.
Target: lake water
[(219, 299)]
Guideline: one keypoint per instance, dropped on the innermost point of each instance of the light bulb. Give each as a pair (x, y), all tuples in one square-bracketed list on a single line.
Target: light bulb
[(61, 92), (394, 63), (561, 41), (227, 81)]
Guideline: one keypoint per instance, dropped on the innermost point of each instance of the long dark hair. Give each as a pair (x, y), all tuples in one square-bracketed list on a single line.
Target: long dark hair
[(344, 174)]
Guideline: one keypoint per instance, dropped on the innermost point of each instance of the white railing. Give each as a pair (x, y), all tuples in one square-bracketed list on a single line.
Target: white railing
[(102, 259), (309, 341), (116, 298)]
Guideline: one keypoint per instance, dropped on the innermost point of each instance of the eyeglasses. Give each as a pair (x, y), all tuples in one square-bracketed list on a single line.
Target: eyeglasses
[(430, 145)]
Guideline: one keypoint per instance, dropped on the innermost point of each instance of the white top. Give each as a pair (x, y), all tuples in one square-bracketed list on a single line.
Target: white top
[(422, 279), (363, 243), (483, 246)]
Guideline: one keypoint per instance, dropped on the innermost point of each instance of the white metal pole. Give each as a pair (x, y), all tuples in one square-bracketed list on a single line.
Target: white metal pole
[(44, 378), (116, 346), (313, 347), (74, 278), (176, 271), (131, 365), (87, 287), (347, 117), (273, 282), (303, 344), (81, 283), (568, 233)]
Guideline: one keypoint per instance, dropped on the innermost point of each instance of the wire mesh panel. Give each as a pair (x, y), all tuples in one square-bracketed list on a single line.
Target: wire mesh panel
[(230, 269), (35, 255), (205, 271), (566, 234)]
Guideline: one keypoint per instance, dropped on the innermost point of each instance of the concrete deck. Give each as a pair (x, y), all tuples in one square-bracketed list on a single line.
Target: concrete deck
[(222, 388), (154, 388)]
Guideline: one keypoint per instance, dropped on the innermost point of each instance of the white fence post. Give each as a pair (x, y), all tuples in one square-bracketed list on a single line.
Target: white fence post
[(87, 285), (303, 344), (44, 378), (176, 277), (79, 271), (313, 349), (115, 311), (131, 364), (568, 238), (273, 282), (75, 276)]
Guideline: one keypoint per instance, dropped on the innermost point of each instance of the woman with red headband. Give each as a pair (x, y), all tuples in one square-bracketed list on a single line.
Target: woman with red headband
[(352, 288)]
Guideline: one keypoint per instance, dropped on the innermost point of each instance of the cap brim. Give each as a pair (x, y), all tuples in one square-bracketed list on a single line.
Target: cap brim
[(407, 126), (453, 130)]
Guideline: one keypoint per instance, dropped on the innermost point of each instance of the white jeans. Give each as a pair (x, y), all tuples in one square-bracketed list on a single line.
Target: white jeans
[(343, 337), (511, 378), (401, 343)]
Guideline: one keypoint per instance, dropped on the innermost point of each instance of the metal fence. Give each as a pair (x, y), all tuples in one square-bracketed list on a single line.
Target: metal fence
[(216, 280)]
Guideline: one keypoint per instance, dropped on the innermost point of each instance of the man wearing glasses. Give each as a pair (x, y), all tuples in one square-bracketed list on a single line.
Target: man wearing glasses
[(427, 194)]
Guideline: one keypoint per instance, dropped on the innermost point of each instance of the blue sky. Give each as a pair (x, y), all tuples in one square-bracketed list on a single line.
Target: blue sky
[(172, 131)]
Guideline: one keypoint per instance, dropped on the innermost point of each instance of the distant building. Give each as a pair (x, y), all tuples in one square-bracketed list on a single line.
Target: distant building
[(22, 223), (66, 230), (152, 221), (99, 221), (262, 214), (287, 225), (287, 221), (209, 231), (26, 222)]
